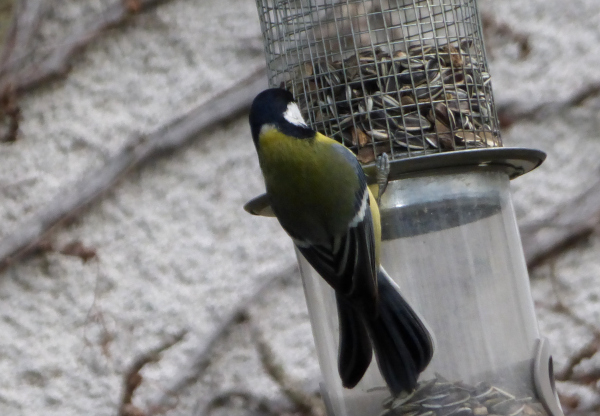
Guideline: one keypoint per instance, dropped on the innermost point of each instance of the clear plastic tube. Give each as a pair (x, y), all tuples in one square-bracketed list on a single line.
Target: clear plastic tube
[(451, 242)]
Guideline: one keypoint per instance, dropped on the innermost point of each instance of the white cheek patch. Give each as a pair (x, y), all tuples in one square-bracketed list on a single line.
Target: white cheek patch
[(293, 115)]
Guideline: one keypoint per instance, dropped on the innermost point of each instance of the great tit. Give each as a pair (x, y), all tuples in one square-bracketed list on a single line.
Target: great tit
[(318, 192)]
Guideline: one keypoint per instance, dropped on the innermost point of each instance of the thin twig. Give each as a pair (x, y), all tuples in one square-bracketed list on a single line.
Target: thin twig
[(72, 199), (259, 405), (587, 351), (304, 402), (563, 227), (200, 362), (559, 306), (56, 62), (132, 377)]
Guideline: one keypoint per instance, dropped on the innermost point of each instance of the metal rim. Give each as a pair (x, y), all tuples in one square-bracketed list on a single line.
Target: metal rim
[(516, 160)]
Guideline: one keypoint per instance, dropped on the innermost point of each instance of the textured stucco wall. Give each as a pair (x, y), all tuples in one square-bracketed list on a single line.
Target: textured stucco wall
[(175, 250)]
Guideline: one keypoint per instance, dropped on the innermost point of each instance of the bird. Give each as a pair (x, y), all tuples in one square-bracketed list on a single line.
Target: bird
[(318, 191)]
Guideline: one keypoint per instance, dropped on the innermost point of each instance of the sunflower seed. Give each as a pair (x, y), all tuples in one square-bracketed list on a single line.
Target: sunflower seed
[(508, 407), (378, 134), (440, 397), (414, 122), (408, 140), (375, 96)]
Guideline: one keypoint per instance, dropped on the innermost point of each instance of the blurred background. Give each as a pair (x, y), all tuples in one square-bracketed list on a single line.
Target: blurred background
[(133, 283)]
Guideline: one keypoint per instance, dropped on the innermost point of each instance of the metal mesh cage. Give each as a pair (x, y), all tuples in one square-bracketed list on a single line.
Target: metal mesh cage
[(404, 77)]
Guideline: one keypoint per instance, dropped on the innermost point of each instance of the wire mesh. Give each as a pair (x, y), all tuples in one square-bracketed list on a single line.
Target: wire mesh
[(404, 77)]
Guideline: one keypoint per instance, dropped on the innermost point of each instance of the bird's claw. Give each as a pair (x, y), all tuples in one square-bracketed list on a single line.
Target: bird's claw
[(383, 172)]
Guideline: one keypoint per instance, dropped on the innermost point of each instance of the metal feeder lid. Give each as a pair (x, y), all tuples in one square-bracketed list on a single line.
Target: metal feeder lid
[(516, 160)]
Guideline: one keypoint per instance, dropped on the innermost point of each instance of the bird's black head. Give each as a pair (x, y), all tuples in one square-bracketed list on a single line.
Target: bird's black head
[(276, 106)]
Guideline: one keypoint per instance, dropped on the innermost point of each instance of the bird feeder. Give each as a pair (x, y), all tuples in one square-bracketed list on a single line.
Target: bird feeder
[(409, 79)]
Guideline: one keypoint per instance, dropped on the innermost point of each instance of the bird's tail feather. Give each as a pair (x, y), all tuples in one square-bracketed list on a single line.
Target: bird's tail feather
[(355, 352), (403, 345)]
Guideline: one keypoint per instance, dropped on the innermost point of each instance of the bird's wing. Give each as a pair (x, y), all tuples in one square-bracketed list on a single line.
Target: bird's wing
[(347, 261)]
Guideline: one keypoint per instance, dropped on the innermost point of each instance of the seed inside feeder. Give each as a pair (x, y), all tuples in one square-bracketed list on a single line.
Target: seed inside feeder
[(439, 397), (424, 100)]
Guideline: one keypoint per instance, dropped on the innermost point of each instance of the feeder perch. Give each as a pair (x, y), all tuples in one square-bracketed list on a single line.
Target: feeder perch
[(409, 78)]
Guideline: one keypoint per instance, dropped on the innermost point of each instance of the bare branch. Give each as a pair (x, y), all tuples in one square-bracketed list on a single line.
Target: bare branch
[(199, 363), (22, 70), (563, 227), (56, 62), (587, 351), (69, 201), (132, 377), (511, 113), (19, 37), (10, 114)]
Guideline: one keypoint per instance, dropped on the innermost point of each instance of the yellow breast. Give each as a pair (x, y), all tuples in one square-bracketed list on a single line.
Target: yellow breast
[(308, 183)]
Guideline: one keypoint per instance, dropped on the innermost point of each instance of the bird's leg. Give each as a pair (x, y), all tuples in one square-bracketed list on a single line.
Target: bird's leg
[(383, 172)]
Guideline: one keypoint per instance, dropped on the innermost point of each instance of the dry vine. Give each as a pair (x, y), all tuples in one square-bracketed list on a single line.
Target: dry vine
[(562, 227), (200, 362), (69, 202), (133, 378), (305, 403), (567, 372), (56, 61), (257, 405), (27, 15), (510, 113), (22, 69)]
